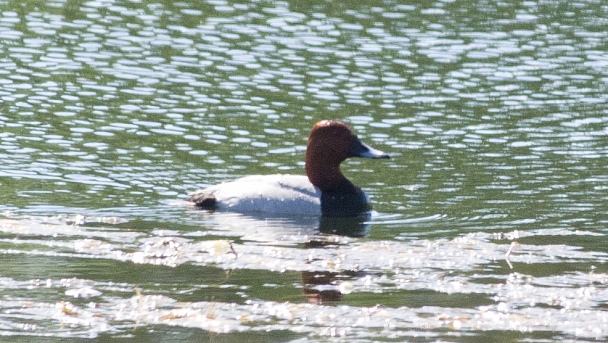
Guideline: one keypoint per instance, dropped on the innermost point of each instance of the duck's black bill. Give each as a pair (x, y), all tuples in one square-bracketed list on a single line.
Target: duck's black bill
[(363, 150)]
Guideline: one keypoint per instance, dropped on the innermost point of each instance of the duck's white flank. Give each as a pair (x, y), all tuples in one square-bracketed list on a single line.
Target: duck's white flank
[(278, 193)]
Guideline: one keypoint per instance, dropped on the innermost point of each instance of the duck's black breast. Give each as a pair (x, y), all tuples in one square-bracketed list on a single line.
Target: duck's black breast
[(346, 201)]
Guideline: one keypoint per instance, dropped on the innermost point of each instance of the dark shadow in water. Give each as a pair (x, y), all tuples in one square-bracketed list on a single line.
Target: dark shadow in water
[(358, 226), (350, 226)]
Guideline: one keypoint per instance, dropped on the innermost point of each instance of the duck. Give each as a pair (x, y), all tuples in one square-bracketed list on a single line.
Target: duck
[(324, 191)]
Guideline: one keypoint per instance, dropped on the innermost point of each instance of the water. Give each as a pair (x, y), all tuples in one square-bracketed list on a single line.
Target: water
[(491, 216)]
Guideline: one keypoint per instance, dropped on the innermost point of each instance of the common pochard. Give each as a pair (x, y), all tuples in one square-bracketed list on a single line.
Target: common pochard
[(323, 191)]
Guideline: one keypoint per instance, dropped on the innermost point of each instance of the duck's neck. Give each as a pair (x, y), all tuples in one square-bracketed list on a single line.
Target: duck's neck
[(326, 176)]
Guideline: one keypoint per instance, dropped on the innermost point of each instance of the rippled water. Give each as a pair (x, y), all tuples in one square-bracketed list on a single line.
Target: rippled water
[(491, 217)]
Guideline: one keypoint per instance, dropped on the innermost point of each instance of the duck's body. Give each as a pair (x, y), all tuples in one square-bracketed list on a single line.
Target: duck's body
[(323, 191), (280, 194)]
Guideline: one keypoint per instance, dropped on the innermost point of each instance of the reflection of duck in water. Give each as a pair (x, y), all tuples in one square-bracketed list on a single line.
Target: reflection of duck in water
[(322, 287), (323, 191)]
